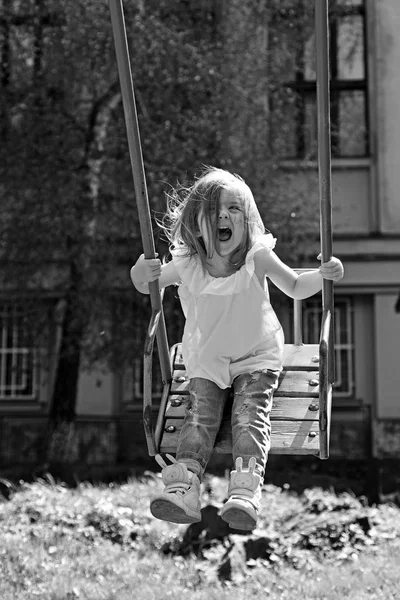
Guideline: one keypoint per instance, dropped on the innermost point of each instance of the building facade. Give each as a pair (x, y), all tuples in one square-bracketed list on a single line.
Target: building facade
[(365, 92)]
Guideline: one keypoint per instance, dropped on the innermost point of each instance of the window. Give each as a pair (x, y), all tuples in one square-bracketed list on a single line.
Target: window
[(293, 103), (344, 345), (29, 38), (140, 321), (141, 316), (157, 386), (18, 373)]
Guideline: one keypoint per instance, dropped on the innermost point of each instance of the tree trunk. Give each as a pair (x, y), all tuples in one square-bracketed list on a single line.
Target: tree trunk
[(62, 412), (61, 445), (246, 65), (5, 53)]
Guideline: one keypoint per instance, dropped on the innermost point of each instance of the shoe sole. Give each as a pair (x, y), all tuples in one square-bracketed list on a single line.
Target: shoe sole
[(168, 511), (238, 518)]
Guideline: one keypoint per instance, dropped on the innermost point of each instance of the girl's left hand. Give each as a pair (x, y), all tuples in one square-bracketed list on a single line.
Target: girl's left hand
[(333, 269)]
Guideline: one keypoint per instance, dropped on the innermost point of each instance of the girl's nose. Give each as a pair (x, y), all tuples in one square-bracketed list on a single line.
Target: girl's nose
[(223, 213)]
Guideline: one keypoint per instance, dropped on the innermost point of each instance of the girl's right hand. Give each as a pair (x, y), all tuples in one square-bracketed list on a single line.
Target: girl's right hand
[(145, 270)]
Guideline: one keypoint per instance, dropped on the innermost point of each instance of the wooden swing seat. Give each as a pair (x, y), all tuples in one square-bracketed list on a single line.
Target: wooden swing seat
[(295, 416)]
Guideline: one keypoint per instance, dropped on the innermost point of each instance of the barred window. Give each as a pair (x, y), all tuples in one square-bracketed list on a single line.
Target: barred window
[(18, 373), (293, 51), (344, 340), (174, 322), (157, 386)]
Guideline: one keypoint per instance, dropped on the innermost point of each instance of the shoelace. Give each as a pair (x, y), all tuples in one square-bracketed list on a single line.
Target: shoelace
[(239, 497), (178, 487)]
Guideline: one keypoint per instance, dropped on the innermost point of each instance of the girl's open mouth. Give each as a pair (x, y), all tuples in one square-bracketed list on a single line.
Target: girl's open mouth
[(224, 234)]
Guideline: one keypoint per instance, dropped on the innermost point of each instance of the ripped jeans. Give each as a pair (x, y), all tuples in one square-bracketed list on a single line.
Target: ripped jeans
[(250, 420)]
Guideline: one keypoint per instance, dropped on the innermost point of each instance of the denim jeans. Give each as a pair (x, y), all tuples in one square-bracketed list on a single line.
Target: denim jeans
[(250, 420)]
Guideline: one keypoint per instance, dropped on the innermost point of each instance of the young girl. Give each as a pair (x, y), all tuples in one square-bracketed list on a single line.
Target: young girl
[(221, 257)]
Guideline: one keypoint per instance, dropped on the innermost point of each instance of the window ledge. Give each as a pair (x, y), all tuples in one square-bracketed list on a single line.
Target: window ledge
[(336, 163), (350, 403), (20, 407)]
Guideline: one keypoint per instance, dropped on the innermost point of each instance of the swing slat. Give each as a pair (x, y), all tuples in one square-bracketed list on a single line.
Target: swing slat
[(287, 437), (291, 383), (291, 408), (295, 356)]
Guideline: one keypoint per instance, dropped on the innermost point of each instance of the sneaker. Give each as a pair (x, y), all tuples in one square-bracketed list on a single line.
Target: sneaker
[(180, 500), (241, 508)]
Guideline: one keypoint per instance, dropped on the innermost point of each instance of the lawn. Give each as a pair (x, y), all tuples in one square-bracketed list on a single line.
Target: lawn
[(101, 543)]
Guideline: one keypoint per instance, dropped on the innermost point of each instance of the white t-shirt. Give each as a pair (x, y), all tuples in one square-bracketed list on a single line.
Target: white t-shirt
[(231, 327)]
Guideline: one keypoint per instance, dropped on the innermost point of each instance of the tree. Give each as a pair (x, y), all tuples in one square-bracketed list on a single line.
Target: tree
[(203, 86), (61, 127)]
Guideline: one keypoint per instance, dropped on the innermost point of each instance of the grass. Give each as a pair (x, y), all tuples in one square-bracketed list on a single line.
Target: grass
[(101, 543)]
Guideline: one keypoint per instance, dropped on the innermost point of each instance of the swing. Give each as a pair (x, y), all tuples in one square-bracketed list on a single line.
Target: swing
[(301, 412)]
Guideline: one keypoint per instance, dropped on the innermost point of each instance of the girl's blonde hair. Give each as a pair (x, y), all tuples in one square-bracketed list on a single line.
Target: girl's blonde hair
[(181, 221)]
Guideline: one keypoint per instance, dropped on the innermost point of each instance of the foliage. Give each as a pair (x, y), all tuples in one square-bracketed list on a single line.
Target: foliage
[(100, 542), (69, 226)]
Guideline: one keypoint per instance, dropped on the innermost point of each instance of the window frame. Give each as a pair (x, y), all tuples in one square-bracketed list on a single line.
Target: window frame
[(14, 332), (343, 313), (304, 89)]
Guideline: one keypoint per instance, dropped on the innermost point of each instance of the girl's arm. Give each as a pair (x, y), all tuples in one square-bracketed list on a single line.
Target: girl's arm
[(298, 286), (147, 270)]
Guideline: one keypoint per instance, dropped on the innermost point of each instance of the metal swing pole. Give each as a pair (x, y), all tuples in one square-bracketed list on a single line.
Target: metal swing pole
[(325, 192), (157, 322)]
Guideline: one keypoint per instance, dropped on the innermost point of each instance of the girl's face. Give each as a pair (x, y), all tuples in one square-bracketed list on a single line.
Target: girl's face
[(230, 222)]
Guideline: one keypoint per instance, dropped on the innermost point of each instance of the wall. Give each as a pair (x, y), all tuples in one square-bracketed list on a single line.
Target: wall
[(95, 393), (351, 200), (387, 78), (387, 351), (351, 195)]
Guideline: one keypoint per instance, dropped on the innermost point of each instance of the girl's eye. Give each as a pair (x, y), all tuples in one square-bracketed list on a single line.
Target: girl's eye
[(234, 207)]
